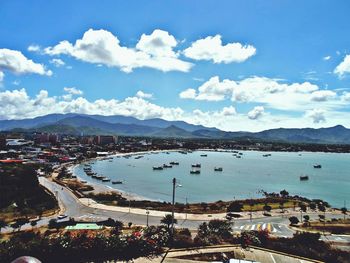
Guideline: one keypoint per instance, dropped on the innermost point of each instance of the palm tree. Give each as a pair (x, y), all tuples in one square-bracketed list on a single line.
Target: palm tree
[(3, 224), (167, 220)]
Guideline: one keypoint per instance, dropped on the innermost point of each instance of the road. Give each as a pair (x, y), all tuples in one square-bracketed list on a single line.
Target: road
[(73, 207)]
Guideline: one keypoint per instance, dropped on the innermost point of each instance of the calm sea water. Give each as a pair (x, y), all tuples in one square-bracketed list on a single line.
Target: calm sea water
[(241, 178)]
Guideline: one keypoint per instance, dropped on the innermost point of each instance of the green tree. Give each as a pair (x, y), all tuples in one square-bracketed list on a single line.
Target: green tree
[(33, 223), (167, 220), (284, 193), (235, 207), (293, 220)]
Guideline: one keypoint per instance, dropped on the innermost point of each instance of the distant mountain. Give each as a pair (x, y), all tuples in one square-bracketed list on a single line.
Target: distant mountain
[(336, 134), (130, 126), (173, 132)]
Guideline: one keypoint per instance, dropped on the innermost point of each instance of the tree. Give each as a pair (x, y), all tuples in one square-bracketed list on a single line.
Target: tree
[(284, 193), (3, 224), (235, 207), (267, 208), (129, 224), (293, 220), (344, 210), (53, 224), (20, 222), (167, 220), (306, 219), (33, 223), (312, 206)]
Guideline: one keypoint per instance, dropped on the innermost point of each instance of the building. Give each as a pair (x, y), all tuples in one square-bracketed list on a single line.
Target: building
[(105, 139)]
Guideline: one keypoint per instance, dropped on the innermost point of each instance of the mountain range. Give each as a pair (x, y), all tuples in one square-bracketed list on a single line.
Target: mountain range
[(78, 124)]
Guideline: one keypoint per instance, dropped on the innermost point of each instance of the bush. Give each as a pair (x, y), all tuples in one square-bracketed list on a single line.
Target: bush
[(235, 207)]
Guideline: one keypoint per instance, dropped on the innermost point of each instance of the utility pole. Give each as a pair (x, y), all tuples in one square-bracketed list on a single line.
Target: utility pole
[(147, 213), (172, 213)]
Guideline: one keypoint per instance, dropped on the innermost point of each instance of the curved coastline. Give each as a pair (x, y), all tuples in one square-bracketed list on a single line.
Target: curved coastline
[(129, 195)]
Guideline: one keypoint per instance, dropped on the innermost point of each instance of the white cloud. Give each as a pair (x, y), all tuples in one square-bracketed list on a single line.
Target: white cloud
[(317, 115), (15, 62), (229, 111), (2, 75), (327, 58), (344, 67), (270, 92), (34, 48), (256, 113), (323, 95), (73, 90), (57, 62), (188, 94), (141, 94), (17, 104), (211, 48), (102, 47)]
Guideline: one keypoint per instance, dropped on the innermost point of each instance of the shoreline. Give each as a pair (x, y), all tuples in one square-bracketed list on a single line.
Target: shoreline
[(101, 188), (129, 196)]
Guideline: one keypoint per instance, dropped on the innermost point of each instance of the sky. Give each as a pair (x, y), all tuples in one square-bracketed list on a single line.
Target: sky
[(235, 65)]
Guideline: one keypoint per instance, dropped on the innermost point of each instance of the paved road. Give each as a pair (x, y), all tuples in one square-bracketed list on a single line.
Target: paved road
[(74, 208)]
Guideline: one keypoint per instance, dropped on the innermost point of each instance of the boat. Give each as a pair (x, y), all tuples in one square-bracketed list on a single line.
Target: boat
[(196, 165), (204, 155), (167, 166), (117, 182), (157, 167), (139, 157), (106, 179), (317, 166), (195, 171), (218, 169), (267, 155), (240, 153), (174, 163), (304, 178), (238, 156)]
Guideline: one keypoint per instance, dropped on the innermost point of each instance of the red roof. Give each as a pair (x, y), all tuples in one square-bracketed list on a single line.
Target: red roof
[(11, 161)]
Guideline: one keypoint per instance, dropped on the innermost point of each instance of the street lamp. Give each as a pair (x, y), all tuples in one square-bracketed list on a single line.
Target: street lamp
[(173, 210)]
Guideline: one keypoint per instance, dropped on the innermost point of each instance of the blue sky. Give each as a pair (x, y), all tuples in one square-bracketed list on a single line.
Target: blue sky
[(236, 65)]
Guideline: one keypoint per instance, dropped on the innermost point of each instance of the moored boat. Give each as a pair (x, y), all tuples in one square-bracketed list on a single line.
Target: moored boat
[(304, 178), (195, 171), (174, 163), (317, 166), (196, 165), (167, 166), (157, 167), (218, 169), (117, 182)]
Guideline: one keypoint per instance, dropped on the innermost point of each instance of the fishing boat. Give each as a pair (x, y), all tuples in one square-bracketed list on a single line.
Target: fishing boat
[(196, 165), (317, 166), (117, 182), (218, 169), (304, 178), (167, 166), (174, 163), (204, 155), (106, 179), (238, 156), (195, 171), (157, 167)]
